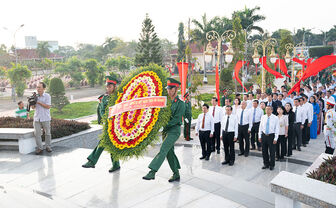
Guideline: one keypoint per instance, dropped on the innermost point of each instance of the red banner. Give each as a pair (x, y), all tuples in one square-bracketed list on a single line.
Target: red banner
[(282, 66), (238, 66), (217, 84), (138, 103), (263, 60), (183, 72)]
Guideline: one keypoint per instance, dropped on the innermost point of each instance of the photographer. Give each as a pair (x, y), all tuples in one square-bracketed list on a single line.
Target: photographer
[(42, 118)]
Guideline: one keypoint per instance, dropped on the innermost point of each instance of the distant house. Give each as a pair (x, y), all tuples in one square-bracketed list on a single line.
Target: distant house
[(32, 55), (198, 53)]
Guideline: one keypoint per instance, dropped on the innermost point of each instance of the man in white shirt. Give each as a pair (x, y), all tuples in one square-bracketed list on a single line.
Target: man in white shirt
[(205, 129), (329, 128), (310, 115), (217, 113), (256, 114), (244, 128), (298, 124), (268, 136), (287, 99), (249, 101), (229, 134), (227, 103)]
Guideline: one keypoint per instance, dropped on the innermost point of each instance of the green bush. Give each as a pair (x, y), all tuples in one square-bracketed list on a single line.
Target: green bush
[(326, 172), (195, 112), (59, 127), (57, 93), (318, 52), (18, 75), (206, 97)]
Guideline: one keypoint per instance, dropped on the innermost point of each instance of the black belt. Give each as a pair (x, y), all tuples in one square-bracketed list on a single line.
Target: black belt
[(256, 123), (204, 130), (268, 134), (297, 123), (243, 125)]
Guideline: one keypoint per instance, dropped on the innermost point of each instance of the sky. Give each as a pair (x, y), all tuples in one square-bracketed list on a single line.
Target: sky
[(83, 21)]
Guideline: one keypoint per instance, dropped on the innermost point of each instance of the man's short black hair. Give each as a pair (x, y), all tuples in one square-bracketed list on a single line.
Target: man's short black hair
[(297, 99), (206, 105), (43, 84), (268, 106), (229, 99), (20, 102), (229, 106), (214, 98), (256, 101), (275, 94)]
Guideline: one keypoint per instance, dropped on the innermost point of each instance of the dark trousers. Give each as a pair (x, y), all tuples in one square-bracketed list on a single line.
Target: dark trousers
[(204, 137), (254, 135), (297, 141), (281, 147), (305, 133), (290, 139), (268, 150), (244, 136), (215, 140), (229, 147)]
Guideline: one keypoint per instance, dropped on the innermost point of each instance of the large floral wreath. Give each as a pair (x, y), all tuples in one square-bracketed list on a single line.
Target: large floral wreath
[(128, 134)]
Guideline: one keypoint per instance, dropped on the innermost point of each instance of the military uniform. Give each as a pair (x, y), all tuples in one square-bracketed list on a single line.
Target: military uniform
[(94, 156), (173, 130), (222, 100), (329, 129), (187, 118)]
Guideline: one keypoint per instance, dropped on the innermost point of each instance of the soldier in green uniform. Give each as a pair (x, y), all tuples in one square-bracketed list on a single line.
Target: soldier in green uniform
[(187, 117), (173, 130), (225, 96), (111, 84)]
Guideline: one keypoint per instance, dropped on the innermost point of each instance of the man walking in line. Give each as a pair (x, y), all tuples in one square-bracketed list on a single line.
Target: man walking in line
[(229, 134), (217, 114), (244, 128), (256, 114)]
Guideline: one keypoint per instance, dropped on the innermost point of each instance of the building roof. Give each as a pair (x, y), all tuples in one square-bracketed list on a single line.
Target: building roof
[(32, 54)]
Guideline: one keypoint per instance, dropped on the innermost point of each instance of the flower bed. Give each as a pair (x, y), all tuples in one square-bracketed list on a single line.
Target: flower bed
[(59, 127), (326, 172)]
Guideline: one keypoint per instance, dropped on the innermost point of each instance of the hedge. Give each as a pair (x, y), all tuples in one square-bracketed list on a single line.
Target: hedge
[(59, 127)]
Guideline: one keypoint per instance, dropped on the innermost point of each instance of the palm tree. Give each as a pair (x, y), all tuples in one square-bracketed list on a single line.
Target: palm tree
[(43, 49), (248, 18), (199, 33)]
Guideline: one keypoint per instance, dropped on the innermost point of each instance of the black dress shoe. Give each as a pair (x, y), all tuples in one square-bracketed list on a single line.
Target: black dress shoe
[(289, 155), (246, 155), (264, 167), (299, 149), (231, 163), (253, 148), (276, 159), (201, 158), (304, 145), (206, 158), (271, 168), (240, 154), (218, 151), (259, 148), (225, 162)]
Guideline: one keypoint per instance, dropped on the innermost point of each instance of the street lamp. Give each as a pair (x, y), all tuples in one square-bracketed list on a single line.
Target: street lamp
[(289, 46), (271, 42)]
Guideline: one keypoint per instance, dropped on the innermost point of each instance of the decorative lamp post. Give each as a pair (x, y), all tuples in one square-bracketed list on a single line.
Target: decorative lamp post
[(271, 42), (288, 57)]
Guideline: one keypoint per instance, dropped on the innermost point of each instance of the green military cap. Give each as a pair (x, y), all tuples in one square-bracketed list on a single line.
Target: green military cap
[(111, 80), (171, 83)]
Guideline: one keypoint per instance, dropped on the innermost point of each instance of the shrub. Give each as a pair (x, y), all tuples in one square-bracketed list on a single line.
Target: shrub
[(18, 75), (318, 52), (326, 172), (59, 127), (57, 94)]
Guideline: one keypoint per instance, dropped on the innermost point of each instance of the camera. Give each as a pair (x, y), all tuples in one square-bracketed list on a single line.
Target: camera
[(31, 101)]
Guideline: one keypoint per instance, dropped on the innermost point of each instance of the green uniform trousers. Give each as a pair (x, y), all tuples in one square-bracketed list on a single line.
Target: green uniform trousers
[(167, 150), (94, 156), (187, 128)]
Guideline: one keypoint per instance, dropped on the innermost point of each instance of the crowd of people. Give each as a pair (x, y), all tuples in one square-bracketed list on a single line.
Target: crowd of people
[(274, 123)]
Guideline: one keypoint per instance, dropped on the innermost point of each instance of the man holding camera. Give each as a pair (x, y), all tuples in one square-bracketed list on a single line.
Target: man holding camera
[(42, 118)]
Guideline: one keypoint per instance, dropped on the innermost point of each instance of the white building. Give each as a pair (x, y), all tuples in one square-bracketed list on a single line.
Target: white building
[(32, 42)]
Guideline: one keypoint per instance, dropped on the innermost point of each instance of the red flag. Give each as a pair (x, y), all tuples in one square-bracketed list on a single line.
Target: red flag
[(264, 63), (238, 66), (183, 71), (283, 66)]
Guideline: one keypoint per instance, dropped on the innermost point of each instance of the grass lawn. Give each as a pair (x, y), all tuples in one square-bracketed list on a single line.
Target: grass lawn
[(74, 110)]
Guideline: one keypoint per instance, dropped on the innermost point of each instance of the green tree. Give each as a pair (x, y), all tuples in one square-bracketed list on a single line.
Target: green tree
[(181, 46), (285, 38), (66, 51), (73, 68), (91, 71), (249, 18), (18, 76), (149, 48), (43, 49), (57, 94)]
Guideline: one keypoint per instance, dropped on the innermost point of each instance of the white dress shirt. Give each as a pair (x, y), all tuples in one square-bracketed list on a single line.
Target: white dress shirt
[(218, 113), (249, 104), (208, 123), (310, 111), (234, 109), (258, 113), (246, 117), (283, 122), (233, 124), (299, 115), (273, 125), (42, 114), (287, 100), (305, 112)]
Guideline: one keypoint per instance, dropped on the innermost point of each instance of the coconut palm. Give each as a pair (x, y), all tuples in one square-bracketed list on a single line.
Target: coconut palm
[(43, 49), (249, 18)]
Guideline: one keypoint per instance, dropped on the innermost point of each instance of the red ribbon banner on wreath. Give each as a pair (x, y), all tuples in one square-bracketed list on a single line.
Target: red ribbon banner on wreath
[(238, 66), (263, 60)]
